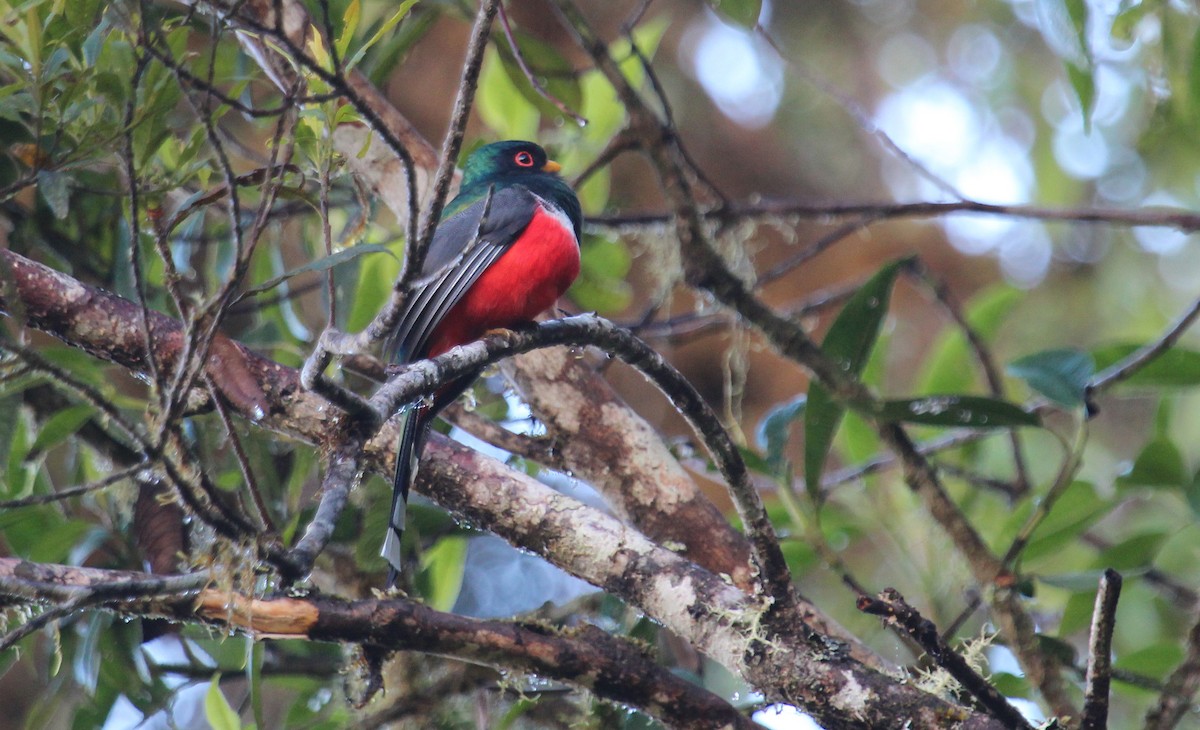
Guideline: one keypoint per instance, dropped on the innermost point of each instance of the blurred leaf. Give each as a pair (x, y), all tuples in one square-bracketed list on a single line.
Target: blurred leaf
[(601, 107), (1159, 464), (60, 426), (1153, 661), (1076, 510), (951, 367), (800, 555), (1057, 649), (606, 257), (775, 429), (54, 540), (1191, 491), (601, 285), (349, 24), (646, 36), (1077, 614), (742, 12), (1176, 367), (1064, 23), (848, 343), (384, 29), (954, 410), (1010, 685), (56, 191), (1135, 552), (443, 567), (10, 404), (1126, 21), (217, 709), (1083, 81), (754, 462), (1081, 582), (501, 104), (1060, 375)]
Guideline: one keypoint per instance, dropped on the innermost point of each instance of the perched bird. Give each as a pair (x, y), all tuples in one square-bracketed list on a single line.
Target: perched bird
[(506, 249)]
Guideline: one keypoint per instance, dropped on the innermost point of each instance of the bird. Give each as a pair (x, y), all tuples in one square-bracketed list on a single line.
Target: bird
[(506, 248)]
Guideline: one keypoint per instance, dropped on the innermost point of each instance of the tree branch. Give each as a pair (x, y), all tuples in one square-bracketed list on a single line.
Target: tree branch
[(1099, 668), (587, 657)]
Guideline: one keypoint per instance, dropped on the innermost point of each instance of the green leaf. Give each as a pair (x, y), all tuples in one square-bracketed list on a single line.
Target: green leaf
[(1191, 492), (501, 104), (605, 295), (1177, 367), (56, 191), (1136, 552), (646, 37), (954, 410), (1159, 464), (605, 257), (322, 264), (848, 343), (217, 711), (1010, 685), (1057, 649), (742, 12), (775, 429), (1060, 375), (601, 285), (384, 29), (1076, 510), (60, 426), (1083, 81), (443, 566), (57, 539), (1154, 661), (349, 24), (1126, 20), (1080, 582)]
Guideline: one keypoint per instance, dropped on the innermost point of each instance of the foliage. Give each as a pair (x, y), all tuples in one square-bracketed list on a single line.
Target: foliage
[(145, 151)]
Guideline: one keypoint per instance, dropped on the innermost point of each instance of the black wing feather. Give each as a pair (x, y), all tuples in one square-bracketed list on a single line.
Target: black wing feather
[(463, 247)]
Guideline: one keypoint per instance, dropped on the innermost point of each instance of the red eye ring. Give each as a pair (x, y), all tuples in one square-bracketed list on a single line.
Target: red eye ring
[(523, 159)]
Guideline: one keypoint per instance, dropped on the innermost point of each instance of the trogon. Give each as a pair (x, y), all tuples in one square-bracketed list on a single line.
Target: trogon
[(506, 248)]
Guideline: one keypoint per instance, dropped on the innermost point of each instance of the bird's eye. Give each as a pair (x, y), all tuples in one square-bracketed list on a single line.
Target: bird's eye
[(523, 159)]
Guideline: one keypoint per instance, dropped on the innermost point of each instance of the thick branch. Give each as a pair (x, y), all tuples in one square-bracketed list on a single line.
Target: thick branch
[(587, 657)]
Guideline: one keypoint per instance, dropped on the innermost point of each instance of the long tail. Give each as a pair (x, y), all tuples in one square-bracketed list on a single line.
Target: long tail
[(408, 452)]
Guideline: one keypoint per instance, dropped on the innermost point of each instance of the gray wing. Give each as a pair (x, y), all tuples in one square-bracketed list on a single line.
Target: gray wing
[(463, 247)]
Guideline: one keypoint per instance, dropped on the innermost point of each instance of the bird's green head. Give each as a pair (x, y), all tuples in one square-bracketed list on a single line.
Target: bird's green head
[(513, 161)]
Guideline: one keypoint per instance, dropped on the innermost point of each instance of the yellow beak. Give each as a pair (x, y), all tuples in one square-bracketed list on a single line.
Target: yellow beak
[(551, 166)]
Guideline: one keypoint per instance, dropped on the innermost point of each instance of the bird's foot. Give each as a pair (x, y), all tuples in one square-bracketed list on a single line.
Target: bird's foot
[(513, 329)]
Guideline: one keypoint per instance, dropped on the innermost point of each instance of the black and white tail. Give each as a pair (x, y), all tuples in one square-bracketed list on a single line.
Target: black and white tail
[(408, 452)]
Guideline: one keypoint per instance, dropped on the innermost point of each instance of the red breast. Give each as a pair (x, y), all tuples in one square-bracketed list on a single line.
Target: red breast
[(526, 281)]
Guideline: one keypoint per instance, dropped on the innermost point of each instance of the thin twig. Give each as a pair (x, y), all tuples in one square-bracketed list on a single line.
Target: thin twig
[(894, 610), (70, 492), (529, 74), (1128, 367), (451, 143), (341, 476), (1155, 216)]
